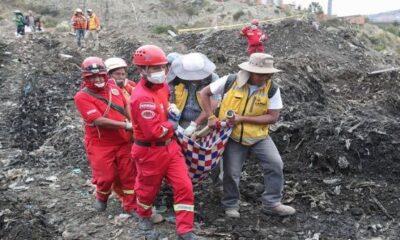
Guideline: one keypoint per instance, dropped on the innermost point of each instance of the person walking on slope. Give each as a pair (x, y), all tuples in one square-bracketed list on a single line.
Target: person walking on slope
[(255, 37), (20, 22), (157, 153), (257, 102), (30, 21), (78, 22), (93, 28), (107, 142)]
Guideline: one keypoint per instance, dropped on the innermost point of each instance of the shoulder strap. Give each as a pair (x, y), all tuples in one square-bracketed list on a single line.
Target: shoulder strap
[(229, 82), (272, 90), (112, 105)]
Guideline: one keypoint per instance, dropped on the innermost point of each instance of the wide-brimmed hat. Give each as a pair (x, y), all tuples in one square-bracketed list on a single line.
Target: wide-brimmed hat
[(260, 63), (192, 66)]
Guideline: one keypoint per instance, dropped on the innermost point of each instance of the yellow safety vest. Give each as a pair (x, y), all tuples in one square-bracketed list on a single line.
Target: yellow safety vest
[(93, 22), (181, 95), (238, 100)]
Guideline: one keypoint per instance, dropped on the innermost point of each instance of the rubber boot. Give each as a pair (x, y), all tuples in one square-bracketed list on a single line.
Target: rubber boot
[(189, 236), (145, 224), (100, 206)]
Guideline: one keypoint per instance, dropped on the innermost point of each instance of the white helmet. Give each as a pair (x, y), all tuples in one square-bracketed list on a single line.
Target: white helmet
[(78, 10), (114, 63)]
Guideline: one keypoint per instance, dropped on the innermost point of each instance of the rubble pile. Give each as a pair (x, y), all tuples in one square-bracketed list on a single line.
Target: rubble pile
[(338, 135)]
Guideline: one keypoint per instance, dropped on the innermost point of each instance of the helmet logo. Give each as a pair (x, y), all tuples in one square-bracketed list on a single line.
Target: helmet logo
[(147, 57)]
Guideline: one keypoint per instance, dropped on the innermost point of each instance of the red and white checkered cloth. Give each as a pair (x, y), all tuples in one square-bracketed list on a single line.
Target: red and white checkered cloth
[(203, 154)]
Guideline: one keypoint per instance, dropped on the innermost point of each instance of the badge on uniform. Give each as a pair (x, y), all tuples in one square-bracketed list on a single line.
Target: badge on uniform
[(148, 114), (114, 91), (147, 105)]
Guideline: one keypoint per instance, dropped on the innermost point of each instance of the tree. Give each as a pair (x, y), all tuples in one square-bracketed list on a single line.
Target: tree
[(315, 8)]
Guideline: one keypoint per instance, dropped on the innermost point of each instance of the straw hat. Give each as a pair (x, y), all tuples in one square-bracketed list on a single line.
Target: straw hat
[(260, 63)]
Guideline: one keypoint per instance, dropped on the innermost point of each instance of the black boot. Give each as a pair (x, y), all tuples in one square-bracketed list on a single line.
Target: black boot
[(189, 236), (145, 224), (100, 206)]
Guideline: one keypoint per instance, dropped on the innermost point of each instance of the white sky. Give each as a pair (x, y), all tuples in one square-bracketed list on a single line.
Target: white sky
[(353, 7)]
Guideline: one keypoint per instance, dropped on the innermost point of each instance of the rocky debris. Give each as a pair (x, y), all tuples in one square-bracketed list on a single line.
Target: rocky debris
[(337, 135)]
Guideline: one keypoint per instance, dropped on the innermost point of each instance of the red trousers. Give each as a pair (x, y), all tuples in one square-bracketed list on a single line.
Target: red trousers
[(153, 164), (111, 163), (255, 48)]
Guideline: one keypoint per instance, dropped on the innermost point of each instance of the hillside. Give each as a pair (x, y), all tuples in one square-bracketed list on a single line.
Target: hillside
[(392, 16), (338, 134)]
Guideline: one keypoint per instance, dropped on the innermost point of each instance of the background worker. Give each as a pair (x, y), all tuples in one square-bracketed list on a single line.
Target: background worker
[(78, 22), (20, 22), (255, 37), (93, 28)]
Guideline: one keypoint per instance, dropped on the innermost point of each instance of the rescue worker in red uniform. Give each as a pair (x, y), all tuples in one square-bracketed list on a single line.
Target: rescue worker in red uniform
[(255, 37), (157, 154), (117, 72), (107, 126)]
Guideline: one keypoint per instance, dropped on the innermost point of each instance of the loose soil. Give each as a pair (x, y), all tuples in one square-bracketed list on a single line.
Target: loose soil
[(338, 135)]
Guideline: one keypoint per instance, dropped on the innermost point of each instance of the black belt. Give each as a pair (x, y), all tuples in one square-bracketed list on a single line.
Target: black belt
[(149, 144)]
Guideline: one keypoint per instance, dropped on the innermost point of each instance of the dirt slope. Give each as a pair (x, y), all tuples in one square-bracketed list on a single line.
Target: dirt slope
[(338, 135)]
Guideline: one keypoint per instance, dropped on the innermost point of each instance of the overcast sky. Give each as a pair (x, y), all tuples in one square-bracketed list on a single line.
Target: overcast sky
[(353, 7)]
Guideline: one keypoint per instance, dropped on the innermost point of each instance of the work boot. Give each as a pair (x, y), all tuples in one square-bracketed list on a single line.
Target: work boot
[(280, 210), (132, 213), (100, 206), (145, 224), (232, 213), (189, 236)]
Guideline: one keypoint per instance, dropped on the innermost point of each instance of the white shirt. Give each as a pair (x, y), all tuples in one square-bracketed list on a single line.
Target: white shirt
[(217, 88)]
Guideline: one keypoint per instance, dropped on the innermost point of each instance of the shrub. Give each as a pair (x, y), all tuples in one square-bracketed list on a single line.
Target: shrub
[(237, 15), (163, 29)]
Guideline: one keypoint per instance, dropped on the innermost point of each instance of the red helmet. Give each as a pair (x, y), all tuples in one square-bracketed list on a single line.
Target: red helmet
[(93, 65), (149, 55), (255, 21)]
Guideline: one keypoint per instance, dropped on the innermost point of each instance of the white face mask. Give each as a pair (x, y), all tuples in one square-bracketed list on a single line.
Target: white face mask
[(100, 85), (254, 26), (157, 77)]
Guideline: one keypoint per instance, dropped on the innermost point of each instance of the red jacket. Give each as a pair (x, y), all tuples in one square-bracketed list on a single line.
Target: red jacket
[(92, 108), (253, 35), (149, 108)]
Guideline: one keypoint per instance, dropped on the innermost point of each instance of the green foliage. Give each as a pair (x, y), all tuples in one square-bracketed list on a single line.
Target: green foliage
[(237, 15), (380, 47), (49, 22), (315, 8), (163, 29)]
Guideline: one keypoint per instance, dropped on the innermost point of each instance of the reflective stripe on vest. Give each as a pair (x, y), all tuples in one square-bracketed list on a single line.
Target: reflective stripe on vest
[(238, 100), (183, 207)]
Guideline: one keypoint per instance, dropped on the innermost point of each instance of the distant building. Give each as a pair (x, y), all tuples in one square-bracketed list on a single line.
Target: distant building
[(355, 19)]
